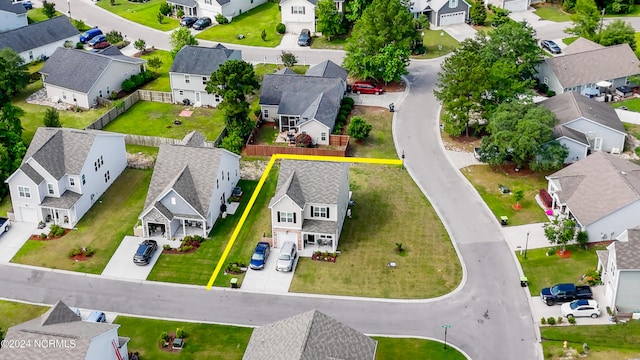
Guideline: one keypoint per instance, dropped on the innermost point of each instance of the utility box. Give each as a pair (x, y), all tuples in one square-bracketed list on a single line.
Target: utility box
[(234, 283), (524, 281)]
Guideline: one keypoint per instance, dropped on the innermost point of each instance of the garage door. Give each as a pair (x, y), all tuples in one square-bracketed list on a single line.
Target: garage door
[(283, 236), (296, 27), (452, 18), (516, 5), (28, 215)]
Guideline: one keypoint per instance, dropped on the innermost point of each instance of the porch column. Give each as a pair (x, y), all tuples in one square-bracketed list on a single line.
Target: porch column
[(204, 229), (184, 228)]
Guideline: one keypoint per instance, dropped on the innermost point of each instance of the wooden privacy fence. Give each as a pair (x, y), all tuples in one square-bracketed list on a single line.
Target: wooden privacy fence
[(157, 96), (108, 117), (156, 141), (339, 145)]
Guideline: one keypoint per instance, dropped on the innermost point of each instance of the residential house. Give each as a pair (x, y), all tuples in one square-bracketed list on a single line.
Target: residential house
[(12, 15), (310, 335), (301, 14), (585, 125), (442, 12), (601, 192), (38, 41), (310, 203), (583, 66), (189, 189), (64, 172), (60, 333), (192, 68), (620, 266), (511, 5), (304, 103), (212, 8), (80, 78)]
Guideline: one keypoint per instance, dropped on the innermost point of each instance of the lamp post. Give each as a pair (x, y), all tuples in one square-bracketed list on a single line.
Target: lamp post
[(526, 245), (445, 327), (69, 9)]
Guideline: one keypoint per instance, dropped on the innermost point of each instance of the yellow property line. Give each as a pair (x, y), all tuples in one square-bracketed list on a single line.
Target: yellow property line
[(275, 157)]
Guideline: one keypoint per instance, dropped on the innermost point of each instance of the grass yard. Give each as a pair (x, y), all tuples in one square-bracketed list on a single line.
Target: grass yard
[(250, 24), (262, 69), (337, 42), (486, 179), (379, 144), (631, 104), (146, 150), (606, 342), (197, 267), (543, 271), (156, 119), (12, 313), (36, 15), (102, 228), (5, 205), (389, 348), (432, 40), (390, 209), (162, 83), (145, 13), (552, 12)]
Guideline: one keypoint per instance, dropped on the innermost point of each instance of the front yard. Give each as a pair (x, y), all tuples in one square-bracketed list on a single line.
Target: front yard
[(145, 13), (101, 229), (437, 43), (379, 144), (12, 313)]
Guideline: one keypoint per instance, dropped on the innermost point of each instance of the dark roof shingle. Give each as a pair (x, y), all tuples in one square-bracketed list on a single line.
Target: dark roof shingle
[(38, 34), (201, 60)]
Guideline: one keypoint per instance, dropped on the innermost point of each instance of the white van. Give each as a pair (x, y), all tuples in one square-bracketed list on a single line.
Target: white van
[(288, 257)]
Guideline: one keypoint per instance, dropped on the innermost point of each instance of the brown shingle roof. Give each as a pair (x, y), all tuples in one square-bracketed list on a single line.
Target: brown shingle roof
[(581, 45), (628, 252)]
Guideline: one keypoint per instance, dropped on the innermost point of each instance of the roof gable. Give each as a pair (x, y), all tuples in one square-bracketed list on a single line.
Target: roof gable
[(628, 252), (327, 69), (570, 106), (291, 189), (200, 60), (581, 45), (59, 313), (38, 34)]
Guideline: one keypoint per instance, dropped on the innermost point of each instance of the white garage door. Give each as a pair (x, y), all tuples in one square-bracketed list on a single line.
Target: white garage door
[(283, 236), (452, 18), (28, 215), (516, 5), (296, 27)]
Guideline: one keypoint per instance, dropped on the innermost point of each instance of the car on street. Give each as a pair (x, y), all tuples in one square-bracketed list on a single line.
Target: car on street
[(202, 23), (97, 39), (97, 316), (288, 257), (363, 87), (550, 46), (260, 255), (27, 5), (304, 39), (145, 252), (580, 308), (188, 21)]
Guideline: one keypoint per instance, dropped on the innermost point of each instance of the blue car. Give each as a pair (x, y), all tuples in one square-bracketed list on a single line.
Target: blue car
[(97, 39), (260, 255)]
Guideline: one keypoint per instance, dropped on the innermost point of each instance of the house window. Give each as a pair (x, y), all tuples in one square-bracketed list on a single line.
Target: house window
[(286, 217), (323, 136), (83, 180), (297, 9), (204, 80), (546, 80), (30, 55), (108, 90), (228, 176), (24, 191), (319, 212), (187, 79), (50, 189), (217, 184), (64, 95), (72, 181), (173, 200), (74, 98), (101, 160), (180, 92), (100, 92), (626, 81), (208, 2), (107, 177), (453, 4), (217, 98), (266, 113)]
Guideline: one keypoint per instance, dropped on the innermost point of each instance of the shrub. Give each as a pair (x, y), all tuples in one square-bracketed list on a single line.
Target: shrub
[(186, 248), (546, 198), (160, 18), (165, 9), (559, 320), (164, 338), (263, 35), (140, 45), (79, 45), (348, 100), (43, 236), (543, 88), (80, 25), (304, 140), (551, 93), (89, 251), (52, 118), (341, 119), (582, 238), (114, 36), (180, 13), (166, 247), (75, 252), (543, 321), (281, 28), (221, 19), (571, 320), (180, 333), (128, 85), (346, 106), (198, 238), (592, 278), (232, 142), (337, 129), (551, 320), (57, 230), (344, 112), (154, 62), (358, 128)]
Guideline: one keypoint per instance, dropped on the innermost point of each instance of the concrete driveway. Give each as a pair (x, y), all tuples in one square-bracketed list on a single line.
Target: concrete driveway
[(268, 280), (12, 240), (541, 309), (458, 31), (121, 265)]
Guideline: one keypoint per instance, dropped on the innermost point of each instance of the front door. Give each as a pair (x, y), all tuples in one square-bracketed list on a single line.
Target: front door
[(197, 97), (597, 144)]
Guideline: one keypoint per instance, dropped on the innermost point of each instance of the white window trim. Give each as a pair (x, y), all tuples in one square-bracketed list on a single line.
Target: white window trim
[(286, 217), (50, 189), (24, 192), (187, 79)]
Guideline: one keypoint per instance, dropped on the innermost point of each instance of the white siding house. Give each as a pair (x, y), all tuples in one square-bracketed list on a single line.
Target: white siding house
[(441, 12), (298, 14), (12, 16), (212, 8), (39, 41)]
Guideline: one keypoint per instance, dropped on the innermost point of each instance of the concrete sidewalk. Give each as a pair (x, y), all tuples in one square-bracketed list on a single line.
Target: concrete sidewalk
[(12, 240)]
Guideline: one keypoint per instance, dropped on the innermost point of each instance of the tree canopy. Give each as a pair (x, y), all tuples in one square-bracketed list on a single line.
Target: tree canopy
[(330, 20), (13, 74), (618, 32), (586, 20), (181, 38)]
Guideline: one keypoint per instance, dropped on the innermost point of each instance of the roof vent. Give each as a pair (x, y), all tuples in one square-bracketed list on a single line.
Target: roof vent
[(623, 172)]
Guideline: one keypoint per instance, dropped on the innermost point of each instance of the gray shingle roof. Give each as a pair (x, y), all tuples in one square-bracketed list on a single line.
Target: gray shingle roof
[(200, 60), (6, 5), (309, 336), (581, 45), (328, 69), (589, 67), (285, 71), (78, 70), (38, 34), (66, 201), (571, 106), (31, 173), (187, 3), (560, 131), (194, 138), (628, 252), (292, 189), (319, 226), (615, 181)]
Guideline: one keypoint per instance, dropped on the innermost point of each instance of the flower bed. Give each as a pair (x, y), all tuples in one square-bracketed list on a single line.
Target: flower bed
[(188, 245), (324, 256)]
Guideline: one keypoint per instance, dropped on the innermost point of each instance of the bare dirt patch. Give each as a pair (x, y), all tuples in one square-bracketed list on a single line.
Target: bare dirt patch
[(252, 169), (460, 143)]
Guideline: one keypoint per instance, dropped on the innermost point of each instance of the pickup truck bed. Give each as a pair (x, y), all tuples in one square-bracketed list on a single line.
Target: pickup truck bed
[(560, 293)]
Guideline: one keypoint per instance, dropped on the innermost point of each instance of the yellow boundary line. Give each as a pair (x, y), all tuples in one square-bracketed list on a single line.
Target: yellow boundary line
[(263, 178)]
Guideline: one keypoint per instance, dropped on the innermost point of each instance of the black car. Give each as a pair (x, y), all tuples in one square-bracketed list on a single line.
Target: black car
[(188, 21), (202, 23), (304, 39), (550, 46), (145, 252)]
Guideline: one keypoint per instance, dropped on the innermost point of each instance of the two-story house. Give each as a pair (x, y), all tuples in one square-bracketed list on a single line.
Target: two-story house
[(212, 8), (310, 203), (12, 16), (80, 78), (189, 188), (441, 12), (64, 172), (192, 68), (38, 41)]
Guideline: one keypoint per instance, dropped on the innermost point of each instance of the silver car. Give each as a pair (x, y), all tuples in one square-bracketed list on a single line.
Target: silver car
[(288, 257)]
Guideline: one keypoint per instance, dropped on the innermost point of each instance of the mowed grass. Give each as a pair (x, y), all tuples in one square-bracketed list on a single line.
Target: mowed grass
[(36, 15), (145, 13), (390, 209), (156, 119), (437, 43), (631, 104), (606, 342), (13, 313), (5, 205), (250, 24), (162, 83), (337, 42), (551, 12), (379, 144), (102, 228), (543, 271), (389, 348), (486, 180)]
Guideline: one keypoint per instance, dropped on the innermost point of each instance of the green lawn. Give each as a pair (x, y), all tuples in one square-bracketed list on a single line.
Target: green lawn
[(632, 104), (379, 144), (437, 43), (543, 271), (250, 24), (36, 15), (146, 150), (389, 348), (552, 12), (5, 205), (12, 313), (337, 42), (145, 13), (606, 342), (162, 83), (102, 228), (262, 69), (156, 119)]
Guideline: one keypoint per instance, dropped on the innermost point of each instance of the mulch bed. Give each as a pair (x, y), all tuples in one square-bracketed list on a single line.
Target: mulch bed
[(395, 86), (37, 237), (175, 251), (170, 348), (80, 257), (563, 254)]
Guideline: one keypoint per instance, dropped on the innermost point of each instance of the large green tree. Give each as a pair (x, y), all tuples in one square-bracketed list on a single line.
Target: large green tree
[(181, 38), (329, 20), (586, 20), (13, 74), (355, 9), (618, 32), (560, 231), (478, 13), (12, 148), (385, 26)]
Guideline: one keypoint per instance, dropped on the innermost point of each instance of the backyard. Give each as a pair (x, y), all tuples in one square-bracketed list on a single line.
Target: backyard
[(379, 144), (605, 342), (162, 83), (145, 13), (102, 228), (250, 24)]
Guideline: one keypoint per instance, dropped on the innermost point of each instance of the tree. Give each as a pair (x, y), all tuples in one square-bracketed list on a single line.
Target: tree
[(385, 26), (10, 119), (517, 196), (154, 62), (618, 32), (329, 20), (180, 13), (355, 9), (478, 13), (232, 142), (263, 35), (160, 18), (586, 20), (233, 81), (181, 38), (421, 22), (140, 45), (288, 58), (359, 128), (165, 9), (13, 75), (12, 148), (52, 118), (560, 230), (550, 156), (48, 9), (114, 36)]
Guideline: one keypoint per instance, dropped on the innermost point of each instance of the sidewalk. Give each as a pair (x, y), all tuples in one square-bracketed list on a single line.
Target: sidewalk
[(516, 237)]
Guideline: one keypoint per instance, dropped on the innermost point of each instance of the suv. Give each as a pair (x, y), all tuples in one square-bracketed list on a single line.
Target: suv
[(288, 257), (361, 87), (188, 21), (551, 46), (581, 307), (145, 252), (201, 23), (90, 34), (260, 255), (304, 39)]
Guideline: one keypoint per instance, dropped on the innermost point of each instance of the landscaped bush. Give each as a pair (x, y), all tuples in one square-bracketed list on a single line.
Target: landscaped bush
[(543, 321), (137, 80), (337, 129), (551, 320), (43, 236), (56, 230), (346, 106), (180, 13), (344, 112), (114, 36), (165, 9), (571, 320), (180, 333), (348, 100), (221, 19), (164, 339), (551, 93), (185, 248), (543, 88), (128, 85), (89, 251), (342, 119), (546, 198), (359, 128), (560, 320), (79, 45), (281, 28), (592, 278), (304, 140), (166, 247)]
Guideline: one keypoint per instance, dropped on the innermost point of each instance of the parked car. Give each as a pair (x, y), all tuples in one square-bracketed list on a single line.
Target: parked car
[(362, 87), (101, 45), (90, 34), (581, 308), (564, 293), (4, 225), (288, 257), (550, 46), (97, 39), (188, 21), (145, 252), (27, 5), (97, 316), (75, 311), (304, 39), (260, 255), (202, 23)]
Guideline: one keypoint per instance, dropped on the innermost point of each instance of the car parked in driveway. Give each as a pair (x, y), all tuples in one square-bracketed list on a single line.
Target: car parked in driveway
[(97, 39), (260, 255), (145, 252), (288, 257), (202, 23), (97, 316), (550, 46), (581, 308), (90, 34), (304, 39), (362, 87), (188, 21)]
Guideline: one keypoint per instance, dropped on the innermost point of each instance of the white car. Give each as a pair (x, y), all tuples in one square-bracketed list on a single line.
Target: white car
[(581, 308)]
